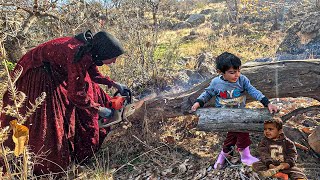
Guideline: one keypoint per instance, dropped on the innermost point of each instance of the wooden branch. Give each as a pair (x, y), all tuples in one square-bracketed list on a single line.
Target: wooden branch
[(33, 16), (300, 146), (25, 9), (7, 4), (27, 24)]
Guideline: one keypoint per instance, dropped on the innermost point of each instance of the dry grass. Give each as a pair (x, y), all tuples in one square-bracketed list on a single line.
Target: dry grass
[(193, 48), (246, 41), (171, 36)]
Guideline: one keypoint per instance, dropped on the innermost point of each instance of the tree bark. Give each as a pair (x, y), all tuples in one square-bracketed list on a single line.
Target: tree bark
[(299, 78)]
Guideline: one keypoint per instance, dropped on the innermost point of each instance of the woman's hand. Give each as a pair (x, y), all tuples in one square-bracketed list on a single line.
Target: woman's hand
[(105, 112), (121, 88)]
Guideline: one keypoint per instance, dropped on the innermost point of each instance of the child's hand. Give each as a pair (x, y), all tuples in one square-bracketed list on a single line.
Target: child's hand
[(272, 108), (195, 107), (271, 166), (283, 166)]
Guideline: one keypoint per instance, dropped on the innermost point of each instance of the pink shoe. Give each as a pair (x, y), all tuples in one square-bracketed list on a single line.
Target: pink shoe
[(246, 157), (220, 160)]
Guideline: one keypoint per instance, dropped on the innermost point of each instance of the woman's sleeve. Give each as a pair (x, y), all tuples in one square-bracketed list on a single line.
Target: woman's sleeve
[(97, 77), (80, 90)]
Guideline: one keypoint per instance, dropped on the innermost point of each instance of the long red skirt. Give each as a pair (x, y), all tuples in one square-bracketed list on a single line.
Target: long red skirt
[(59, 133)]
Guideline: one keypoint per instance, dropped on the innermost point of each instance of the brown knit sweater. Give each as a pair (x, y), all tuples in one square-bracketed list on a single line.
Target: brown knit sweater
[(278, 151)]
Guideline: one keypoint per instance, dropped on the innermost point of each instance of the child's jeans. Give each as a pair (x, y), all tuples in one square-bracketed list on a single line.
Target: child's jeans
[(240, 139)]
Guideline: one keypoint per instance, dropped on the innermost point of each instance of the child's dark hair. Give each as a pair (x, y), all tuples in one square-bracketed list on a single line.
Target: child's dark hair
[(226, 61), (276, 121)]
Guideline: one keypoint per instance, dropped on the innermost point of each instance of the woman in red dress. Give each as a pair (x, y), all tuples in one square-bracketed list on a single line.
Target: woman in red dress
[(65, 126)]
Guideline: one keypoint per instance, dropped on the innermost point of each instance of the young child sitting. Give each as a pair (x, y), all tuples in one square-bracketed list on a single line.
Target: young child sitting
[(277, 153), (229, 88)]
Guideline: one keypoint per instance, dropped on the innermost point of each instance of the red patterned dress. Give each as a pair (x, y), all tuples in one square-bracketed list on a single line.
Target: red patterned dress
[(65, 127)]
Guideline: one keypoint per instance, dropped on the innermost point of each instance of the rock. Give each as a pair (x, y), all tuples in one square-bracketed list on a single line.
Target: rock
[(189, 38), (196, 19), (181, 25), (207, 11), (166, 24), (302, 40), (181, 16)]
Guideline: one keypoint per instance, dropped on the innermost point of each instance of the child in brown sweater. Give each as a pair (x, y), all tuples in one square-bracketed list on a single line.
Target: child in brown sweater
[(278, 154)]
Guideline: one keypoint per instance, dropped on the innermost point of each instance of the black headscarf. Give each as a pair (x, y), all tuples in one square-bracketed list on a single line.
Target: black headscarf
[(105, 46), (102, 46)]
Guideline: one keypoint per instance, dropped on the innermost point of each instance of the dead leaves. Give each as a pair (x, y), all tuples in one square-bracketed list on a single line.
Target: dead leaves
[(20, 136), (169, 140), (307, 130)]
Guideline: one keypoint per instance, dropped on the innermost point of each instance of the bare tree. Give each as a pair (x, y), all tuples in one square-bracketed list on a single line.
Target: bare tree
[(28, 23), (136, 23)]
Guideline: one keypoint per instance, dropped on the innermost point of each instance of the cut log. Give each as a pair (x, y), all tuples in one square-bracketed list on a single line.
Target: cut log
[(227, 119)]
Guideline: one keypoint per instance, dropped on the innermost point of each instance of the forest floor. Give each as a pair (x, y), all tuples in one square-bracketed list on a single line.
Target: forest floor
[(175, 149)]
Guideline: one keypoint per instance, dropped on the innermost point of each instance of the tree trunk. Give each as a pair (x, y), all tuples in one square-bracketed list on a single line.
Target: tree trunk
[(275, 80), (227, 119), (15, 45)]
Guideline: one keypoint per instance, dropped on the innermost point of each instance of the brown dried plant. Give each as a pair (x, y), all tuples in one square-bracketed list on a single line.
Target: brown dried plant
[(20, 164)]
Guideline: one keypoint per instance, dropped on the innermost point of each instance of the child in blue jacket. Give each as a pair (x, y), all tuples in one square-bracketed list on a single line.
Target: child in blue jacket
[(228, 88)]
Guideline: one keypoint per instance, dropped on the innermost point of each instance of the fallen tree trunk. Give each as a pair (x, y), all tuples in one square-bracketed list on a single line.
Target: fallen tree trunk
[(227, 119), (275, 80), (300, 111)]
